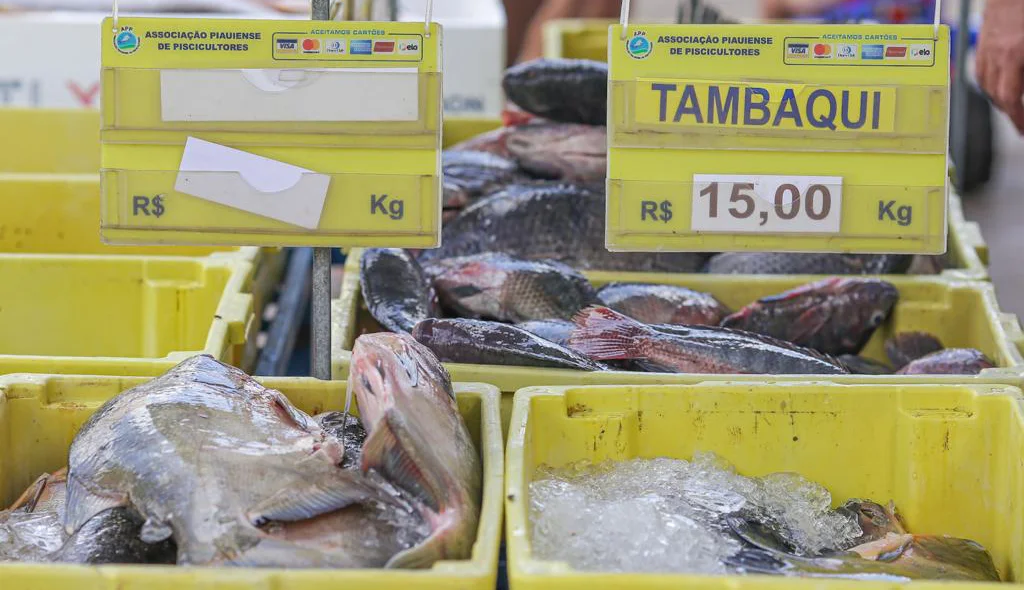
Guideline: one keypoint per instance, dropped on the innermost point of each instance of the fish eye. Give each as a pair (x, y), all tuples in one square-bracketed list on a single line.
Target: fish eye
[(876, 318)]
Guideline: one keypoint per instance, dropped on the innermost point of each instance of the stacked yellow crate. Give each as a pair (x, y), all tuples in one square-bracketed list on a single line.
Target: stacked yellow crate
[(49, 213)]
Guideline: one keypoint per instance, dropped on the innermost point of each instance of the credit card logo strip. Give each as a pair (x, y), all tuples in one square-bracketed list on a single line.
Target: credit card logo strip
[(411, 47)]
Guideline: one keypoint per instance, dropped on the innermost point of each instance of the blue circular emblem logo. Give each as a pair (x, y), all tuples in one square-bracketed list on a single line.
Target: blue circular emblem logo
[(639, 46), (126, 41)]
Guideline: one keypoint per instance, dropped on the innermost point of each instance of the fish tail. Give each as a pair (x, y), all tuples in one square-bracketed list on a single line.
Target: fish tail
[(604, 334)]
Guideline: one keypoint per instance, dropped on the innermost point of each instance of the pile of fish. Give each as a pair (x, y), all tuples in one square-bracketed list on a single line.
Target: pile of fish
[(534, 188), (701, 517), (205, 466), (495, 308)]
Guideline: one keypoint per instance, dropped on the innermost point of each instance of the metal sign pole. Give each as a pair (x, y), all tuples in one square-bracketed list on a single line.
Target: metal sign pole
[(320, 322)]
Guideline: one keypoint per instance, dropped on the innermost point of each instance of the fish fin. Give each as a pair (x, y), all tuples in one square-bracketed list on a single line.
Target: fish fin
[(30, 496), (604, 334), (420, 556), (808, 323), (829, 283), (82, 504), (287, 410), (385, 452), (271, 552), (336, 489), (154, 531)]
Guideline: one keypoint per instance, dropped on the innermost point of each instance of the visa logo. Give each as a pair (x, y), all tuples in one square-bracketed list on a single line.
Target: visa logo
[(797, 50), (287, 45), (360, 47)]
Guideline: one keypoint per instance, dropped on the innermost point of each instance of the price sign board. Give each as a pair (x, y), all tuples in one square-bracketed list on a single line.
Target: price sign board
[(266, 132), (815, 138)]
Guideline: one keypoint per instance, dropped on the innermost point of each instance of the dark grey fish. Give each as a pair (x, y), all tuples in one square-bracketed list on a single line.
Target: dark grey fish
[(859, 365), (395, 289), (469, 175), (905, 347), (562, 90), (493, 343), (498, 287), (112, 536), (561, 151), (561, 222), (604, 334), (557, 331), (949, 361), (775, 263), (663, 304), (350, 432), (835, 316)]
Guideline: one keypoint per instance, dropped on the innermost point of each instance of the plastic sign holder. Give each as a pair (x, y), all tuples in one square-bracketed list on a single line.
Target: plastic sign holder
[(814, 138), (276, 133)]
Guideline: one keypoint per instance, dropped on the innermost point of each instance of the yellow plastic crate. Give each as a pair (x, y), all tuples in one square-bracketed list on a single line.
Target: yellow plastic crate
[(40, 414), (960, 313), (50, 141), (949, 456), (121, 315), (577, 38)]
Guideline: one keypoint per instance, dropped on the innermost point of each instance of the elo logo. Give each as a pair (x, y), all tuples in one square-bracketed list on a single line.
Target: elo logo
[(639, 46)]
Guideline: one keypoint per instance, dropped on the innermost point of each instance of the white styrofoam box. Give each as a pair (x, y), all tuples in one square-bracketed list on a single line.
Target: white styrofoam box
[(52, 59), (474, 53)]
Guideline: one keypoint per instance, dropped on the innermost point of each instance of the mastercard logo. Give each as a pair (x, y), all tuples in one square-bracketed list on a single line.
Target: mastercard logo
[(311, 45), (822, 50)]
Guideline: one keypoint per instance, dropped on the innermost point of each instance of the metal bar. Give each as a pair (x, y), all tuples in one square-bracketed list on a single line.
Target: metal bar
[(959, 90), (292, 306), (320, 323)]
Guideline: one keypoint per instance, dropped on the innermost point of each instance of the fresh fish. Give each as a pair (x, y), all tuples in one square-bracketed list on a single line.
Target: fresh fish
[(560, 222), (910, 346), (859, 365), (605, 334), (834, 316), (468, 175), (561, 151), (875, 521), (493, 343), (113, 536), (949, 361), (895, 557), (418, 440), (349, 430), (776, 263), (663, 304), (205, 426), (395, 289), (498, 287), (369, 533), (562, 90), (492, 142), (557, 331)]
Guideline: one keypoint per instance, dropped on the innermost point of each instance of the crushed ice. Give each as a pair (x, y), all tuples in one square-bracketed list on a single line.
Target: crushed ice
[(666, 515)]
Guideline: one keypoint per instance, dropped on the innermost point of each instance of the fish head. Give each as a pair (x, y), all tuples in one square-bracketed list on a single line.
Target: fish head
[(472, 287), (875, 520), (852, 308), (388, 369)]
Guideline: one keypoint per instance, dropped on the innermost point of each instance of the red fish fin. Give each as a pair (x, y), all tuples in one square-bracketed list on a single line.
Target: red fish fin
[(808, 323), (604, 334), (385, 451)]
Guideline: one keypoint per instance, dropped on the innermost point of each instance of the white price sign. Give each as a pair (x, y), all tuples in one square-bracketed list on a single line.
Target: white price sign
[(766, 203)]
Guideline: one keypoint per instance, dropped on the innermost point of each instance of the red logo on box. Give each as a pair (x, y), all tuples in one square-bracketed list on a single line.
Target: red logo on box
[(383, 46), (896, 51)]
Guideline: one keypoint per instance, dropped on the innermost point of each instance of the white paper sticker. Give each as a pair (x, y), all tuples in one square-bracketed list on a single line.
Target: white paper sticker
[(252, 183), (766, 203), (315, 94)]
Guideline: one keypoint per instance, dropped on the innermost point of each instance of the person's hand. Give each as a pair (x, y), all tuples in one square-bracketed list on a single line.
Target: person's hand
[(1000, 57)]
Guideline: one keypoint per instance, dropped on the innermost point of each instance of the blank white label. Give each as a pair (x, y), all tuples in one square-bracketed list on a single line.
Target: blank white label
[(350, 94)]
